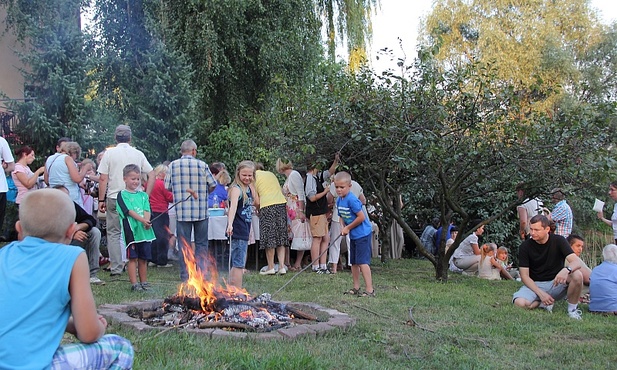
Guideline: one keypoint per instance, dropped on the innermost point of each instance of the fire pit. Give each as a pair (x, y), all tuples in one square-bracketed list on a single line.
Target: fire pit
[(205, 307)]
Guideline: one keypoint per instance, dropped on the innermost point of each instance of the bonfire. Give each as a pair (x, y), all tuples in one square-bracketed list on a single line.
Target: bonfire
[(202, 302)]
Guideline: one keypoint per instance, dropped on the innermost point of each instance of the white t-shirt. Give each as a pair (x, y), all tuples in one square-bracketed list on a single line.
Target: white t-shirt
[(465, 249), (113, 163), (7, 157)]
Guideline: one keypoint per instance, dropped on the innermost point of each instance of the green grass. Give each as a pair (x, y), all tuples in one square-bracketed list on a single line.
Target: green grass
[(470, 324)]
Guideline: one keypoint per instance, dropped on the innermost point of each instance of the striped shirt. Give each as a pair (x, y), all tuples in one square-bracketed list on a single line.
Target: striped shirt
[(190, 173)]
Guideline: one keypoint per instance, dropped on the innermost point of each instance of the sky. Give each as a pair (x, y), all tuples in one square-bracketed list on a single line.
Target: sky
[(401, 19)]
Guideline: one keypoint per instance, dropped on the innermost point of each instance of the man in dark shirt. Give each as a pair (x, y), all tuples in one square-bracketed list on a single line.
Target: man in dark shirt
[(541, 266)]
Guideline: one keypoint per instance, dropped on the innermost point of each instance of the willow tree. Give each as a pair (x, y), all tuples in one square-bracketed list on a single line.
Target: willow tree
[(348, 21), (534, 45), (237, 48)]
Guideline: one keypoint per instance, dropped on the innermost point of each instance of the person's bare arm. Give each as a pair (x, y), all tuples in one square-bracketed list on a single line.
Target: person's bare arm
[(522, 221), (87, 325), (77, 175), (255, 194), (151, 180), (362, 199), (103, 179), (29, 182), (476, 249), (332, 168), (502, 271), (10, 167), (359, 219), (605, 220), (529, 283)]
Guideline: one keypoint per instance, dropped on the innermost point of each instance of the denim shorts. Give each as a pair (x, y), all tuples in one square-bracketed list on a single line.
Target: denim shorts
[(141, 250), (360, 250), (238, 253)]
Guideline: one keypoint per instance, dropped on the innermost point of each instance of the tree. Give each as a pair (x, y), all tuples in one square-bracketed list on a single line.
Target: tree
[(534, 46), (347, 20), (139, 80), (55, 78), (455, 141), (237, 48)]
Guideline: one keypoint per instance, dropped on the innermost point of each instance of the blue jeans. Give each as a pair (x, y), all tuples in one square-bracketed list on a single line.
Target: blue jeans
[(200, 230)]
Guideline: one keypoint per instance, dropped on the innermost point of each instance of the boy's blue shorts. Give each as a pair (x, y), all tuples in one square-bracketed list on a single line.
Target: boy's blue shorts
[(141, 250), (238, 253), (360, 250)]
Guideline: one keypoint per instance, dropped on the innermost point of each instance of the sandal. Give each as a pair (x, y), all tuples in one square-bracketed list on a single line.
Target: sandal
[(352, 291), (367, 294)]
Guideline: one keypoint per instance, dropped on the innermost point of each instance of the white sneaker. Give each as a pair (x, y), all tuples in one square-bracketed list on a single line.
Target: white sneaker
[(152, 264), (96, 281), (576, 314), (268, 272), (282, 271), (548, 308)]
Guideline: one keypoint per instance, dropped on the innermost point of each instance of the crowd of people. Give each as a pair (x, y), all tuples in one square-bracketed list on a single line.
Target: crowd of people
[(153, 213), (150, 214)]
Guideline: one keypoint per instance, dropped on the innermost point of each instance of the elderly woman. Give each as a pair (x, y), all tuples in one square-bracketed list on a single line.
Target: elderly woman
[(63, 170), (603, 283), (293, 190)]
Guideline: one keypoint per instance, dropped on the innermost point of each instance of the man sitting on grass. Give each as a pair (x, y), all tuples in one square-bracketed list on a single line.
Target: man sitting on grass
[(541, 266), (45, 291)]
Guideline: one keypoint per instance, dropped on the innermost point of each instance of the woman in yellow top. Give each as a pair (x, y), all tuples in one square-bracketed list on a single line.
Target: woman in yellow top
[(272, 219)]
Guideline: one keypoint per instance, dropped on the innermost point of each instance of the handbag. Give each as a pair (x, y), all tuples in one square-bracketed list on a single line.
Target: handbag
[(302, 238)]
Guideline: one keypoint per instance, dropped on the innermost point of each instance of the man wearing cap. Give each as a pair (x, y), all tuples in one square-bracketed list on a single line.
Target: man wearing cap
[(111, 183)]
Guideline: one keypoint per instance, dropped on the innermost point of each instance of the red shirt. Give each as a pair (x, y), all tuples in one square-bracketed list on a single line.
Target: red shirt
[(160, 197)]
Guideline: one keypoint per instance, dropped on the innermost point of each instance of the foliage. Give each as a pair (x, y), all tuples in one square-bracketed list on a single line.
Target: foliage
[(55, 82), (139, 80), (536, 46), (347, 20), (238, 47)]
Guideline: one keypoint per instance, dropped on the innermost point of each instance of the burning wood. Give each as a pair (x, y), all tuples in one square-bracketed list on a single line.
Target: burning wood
[(202, 303)]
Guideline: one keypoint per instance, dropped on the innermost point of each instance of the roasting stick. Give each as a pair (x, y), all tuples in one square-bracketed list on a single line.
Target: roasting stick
[(191, 192), (307, 266)]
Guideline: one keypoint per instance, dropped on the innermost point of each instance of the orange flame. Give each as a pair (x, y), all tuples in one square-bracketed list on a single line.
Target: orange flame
[(203, 280)]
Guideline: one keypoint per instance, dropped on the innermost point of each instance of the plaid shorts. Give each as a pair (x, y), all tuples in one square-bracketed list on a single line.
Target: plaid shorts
[(109, 352)]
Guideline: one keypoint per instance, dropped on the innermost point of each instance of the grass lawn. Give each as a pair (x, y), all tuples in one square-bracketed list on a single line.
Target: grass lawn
[(470, 323)]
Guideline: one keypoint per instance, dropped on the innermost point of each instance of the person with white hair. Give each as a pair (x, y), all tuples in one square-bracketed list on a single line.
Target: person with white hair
[(603, 283)]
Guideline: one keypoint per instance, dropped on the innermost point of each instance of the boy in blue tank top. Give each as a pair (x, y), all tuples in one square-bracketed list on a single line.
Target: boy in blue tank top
[(355, 223), (45, 291)]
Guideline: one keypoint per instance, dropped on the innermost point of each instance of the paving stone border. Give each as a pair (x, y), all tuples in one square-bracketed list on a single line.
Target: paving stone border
[(117, 314)]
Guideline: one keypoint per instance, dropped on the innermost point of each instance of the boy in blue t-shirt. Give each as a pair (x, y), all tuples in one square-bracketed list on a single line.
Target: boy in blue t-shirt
[(355, 223), (134, 210), (45, 291)]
